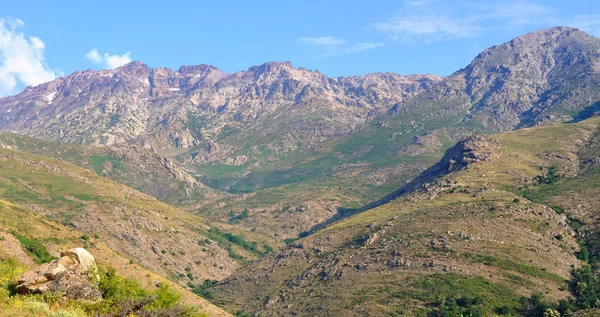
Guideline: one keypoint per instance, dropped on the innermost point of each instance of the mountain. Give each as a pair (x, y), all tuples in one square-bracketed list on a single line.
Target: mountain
[(292, 147), (544, 76), (495, 219), (410, 194), (168, 110), (253, 140)]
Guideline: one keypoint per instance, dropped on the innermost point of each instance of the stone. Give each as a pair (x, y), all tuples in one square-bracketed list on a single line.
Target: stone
[(73, 275)]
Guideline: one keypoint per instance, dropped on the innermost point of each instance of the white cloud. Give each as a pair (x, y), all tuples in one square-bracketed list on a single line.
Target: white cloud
[(324, 40), (107, 60), (332, 46), (432, 20), (94, 56), (351, 49), (21, 58)]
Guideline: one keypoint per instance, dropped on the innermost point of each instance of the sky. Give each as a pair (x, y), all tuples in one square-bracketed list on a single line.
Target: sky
[(42, 40)]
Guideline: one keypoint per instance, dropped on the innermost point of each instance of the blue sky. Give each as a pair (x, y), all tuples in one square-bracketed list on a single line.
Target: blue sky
[(41, 40)]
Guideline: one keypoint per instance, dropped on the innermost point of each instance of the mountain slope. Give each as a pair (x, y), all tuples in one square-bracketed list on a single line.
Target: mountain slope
[(133, 166), (163, 239), (460, 231), (16, 221)]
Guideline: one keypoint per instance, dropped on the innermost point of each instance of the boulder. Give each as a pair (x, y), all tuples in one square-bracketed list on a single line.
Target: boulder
[(74, 275)]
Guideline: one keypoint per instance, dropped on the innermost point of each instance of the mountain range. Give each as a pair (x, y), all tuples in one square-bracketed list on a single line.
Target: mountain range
[(308, 195)]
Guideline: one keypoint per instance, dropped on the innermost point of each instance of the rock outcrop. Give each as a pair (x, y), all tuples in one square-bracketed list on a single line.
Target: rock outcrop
[(470, 150), (73, 275)]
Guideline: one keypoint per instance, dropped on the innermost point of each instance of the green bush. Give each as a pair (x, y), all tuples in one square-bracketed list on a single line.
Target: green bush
[(164, 298), (203, 289), (36, 248), (115, 288), (583, 254), (550, 178), (241, 216)]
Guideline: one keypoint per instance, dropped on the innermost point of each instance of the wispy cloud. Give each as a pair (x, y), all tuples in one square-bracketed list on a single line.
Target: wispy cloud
[(587, 22), (107, 60), (323, 40), (428, 27), (332, 46), (430, 21), (351, 49), (21, 58)]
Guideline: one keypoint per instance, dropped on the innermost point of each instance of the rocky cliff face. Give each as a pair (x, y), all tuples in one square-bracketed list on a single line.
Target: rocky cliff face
[(165, 109)]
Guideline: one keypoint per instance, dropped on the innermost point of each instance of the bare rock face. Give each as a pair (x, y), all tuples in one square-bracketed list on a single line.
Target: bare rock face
[(73, 275)]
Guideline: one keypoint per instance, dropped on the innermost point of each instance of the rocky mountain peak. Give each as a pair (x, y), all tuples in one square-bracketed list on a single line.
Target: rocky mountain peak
[(271, 69), (551, 34), (135, 68), (506, 84), (195, 69)]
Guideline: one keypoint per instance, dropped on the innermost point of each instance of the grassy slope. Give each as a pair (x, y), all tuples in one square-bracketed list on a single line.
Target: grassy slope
[(17, 220), (133, 166), (164, 239), (342, 173), (466, 234)]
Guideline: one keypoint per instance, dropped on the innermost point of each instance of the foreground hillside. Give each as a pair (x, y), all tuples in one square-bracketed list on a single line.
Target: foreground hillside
[(164, 239), (463, 232), (27, 238)]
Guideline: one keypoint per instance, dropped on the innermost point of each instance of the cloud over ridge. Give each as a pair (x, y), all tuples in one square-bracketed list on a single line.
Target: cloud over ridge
[(108, 61), (22, 60)]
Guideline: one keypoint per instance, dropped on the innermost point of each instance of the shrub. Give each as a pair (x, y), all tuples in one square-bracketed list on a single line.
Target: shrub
[(583, 254), (241, 216), (117, 289), (268, 248), (164, 298), (550, 178), (203, 289), (125, 297), (36, 248)]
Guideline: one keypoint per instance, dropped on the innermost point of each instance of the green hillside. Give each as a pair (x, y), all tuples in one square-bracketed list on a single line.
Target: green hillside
[(480, 232), (27, 238)]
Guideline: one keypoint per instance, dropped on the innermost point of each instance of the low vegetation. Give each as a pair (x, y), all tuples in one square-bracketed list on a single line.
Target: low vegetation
[(120, 297), (36, 248)]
